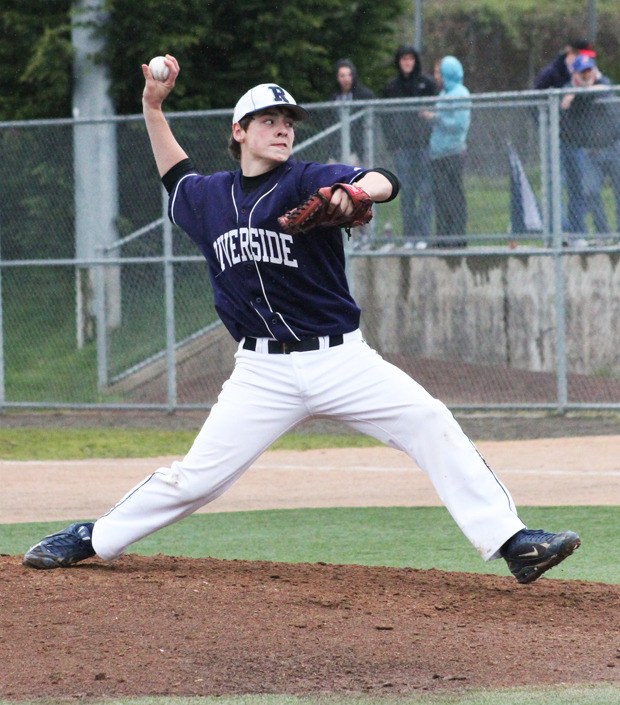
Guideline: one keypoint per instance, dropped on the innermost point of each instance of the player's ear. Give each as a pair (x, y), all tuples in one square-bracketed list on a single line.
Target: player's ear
[(238, 133)]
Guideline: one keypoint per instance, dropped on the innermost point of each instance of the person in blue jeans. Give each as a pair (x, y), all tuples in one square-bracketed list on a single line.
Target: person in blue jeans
[(557, 74), (604, 162), (407, 135), (573, 163), (590, 130)]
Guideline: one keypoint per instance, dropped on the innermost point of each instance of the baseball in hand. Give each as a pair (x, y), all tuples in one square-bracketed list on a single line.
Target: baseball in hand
[(158, 68)]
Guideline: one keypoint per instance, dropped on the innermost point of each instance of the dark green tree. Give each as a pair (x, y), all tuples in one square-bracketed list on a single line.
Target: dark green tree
[(35, 59), (225, 47), (503, 45)]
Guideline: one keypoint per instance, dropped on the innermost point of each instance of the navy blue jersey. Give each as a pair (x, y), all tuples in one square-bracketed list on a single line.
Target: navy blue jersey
[(266, 283)]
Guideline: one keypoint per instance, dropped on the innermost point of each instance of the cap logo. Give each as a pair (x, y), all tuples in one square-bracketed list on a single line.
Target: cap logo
[(264, 96), (279, 94)]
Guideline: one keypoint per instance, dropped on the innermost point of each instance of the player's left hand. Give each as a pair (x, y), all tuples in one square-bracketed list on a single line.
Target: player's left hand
[(340, 205), (344, 205)]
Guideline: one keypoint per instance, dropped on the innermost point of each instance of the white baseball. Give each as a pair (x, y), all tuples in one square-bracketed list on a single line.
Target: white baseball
[(158, 68)]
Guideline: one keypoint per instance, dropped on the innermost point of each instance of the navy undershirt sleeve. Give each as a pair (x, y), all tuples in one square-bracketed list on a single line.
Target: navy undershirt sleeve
[(181, 168), (390, 177)]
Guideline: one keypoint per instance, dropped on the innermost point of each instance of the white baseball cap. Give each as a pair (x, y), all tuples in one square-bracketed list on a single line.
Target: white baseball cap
[(267, 95)]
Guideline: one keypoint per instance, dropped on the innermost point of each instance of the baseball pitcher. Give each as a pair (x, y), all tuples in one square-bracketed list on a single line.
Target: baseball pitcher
[(271, 233)]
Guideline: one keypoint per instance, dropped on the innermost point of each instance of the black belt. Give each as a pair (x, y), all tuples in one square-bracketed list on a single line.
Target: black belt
[(275, 347)]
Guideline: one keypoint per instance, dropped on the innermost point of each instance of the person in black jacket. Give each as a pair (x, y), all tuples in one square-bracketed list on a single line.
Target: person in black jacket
[(557, 73), (349, 87), (407, 134)]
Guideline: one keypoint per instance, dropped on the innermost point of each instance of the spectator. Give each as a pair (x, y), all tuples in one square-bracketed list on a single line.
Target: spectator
[(450, 125), (556, 74), (348, 88), (407, 136), (590, 127)]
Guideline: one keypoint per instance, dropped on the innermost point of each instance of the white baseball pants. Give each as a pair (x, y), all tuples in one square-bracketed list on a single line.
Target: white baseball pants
[(269, 394)]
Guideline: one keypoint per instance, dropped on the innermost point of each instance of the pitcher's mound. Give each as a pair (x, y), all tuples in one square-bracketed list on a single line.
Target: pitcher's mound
[(176, 626)]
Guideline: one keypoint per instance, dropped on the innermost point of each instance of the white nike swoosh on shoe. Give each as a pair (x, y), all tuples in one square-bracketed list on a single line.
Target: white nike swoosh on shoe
[(532, 554)]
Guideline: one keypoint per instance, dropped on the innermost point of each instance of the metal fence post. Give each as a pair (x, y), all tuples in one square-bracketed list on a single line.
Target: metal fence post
[(345, 133), (369, 152), (102, 322), (558, 267), (171, 369), (545, 179), (2, 389)]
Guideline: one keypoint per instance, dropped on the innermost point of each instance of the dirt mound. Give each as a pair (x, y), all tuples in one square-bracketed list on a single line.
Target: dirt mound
[(176, 626)]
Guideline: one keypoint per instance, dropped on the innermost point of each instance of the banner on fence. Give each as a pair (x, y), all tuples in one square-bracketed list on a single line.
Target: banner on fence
[(524, 211)]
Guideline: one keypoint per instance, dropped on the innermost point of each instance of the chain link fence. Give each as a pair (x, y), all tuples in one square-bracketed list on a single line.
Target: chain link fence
[(103, 303)]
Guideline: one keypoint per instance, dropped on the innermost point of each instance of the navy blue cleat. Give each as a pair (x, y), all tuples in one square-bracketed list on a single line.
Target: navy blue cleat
[(62, 549), (531, 552)]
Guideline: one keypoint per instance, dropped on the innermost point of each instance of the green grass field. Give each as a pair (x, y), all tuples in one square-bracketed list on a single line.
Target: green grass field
[(421, 537), (416, 537), (83, 443)]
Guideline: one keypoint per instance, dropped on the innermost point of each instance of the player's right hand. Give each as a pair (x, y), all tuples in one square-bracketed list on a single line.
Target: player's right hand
[(155, 92)]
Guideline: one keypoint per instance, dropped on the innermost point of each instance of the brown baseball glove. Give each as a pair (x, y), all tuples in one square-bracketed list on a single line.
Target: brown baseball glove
[(313, 212)]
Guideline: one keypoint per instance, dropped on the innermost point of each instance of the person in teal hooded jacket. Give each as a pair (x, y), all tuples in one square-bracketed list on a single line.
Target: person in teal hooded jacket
[(450, 125)]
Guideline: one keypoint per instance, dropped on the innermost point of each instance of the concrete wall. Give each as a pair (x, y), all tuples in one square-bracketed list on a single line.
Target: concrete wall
[(492, 309)]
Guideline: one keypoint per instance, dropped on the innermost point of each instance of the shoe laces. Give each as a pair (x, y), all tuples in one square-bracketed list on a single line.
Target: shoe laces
[(538, 535), (65, 538)]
